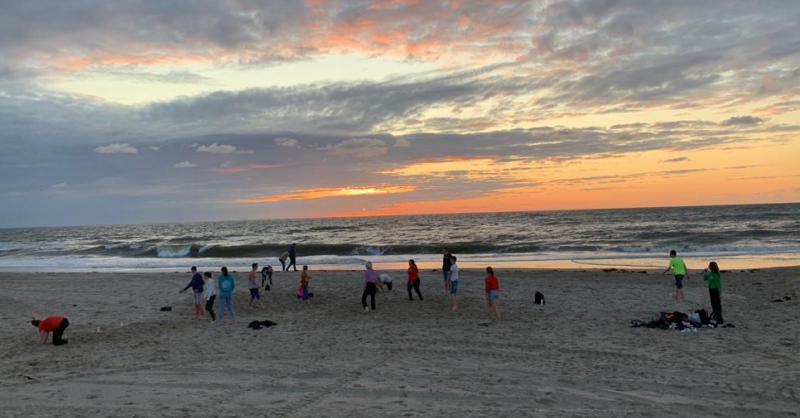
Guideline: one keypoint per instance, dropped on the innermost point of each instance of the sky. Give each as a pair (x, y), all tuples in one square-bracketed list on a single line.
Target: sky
[(200, 110)]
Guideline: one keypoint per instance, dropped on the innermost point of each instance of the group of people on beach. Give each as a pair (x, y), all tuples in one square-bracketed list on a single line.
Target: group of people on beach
[(206, 291), (711, 275)]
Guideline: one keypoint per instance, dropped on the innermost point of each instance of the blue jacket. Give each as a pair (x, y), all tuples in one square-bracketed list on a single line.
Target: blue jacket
[(196, 284), (225, 284)]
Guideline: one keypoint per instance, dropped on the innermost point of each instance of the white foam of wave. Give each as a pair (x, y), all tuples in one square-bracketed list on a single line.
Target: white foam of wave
[(173, 251), (104, 263)]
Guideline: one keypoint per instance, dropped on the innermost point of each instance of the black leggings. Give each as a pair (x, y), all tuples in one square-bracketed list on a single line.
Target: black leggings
[(210, 307), (292, 263), (59, 333), (716, 305), (414, 285), (369, 289)]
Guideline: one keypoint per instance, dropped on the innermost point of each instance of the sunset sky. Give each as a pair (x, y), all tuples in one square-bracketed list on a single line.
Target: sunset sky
[(192, 110)]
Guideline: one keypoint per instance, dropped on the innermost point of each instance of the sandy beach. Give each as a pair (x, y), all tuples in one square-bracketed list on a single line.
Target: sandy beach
[(575, 356)]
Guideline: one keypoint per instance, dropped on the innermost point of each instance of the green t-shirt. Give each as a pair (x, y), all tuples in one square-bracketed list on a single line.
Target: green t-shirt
[(677, 265), (714, 281)]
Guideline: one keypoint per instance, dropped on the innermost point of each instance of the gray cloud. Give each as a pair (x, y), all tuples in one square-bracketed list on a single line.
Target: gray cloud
[(742, 120)]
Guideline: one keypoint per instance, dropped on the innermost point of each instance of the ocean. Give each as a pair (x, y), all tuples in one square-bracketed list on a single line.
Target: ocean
[(746, 236)]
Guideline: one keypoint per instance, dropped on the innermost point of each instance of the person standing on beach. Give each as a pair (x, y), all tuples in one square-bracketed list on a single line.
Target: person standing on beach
[(255, 296), (266, 273), (292, 257), (305, 281), (714, 290), (210, 295), (446, 263), (55, 324), (413, 279), (492, 293), (197, 285), (452, 279), (226, 284), (282, 259), (678, 267), (370, 286)]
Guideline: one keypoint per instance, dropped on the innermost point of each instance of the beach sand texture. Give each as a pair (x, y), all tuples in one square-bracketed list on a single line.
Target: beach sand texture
[(576, 356)]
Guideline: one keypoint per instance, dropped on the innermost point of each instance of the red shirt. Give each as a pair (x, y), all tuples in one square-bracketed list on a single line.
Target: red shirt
[(492, 284), (413, 273), (50, 323)]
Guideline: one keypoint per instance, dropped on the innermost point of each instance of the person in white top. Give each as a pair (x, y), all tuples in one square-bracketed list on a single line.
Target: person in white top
[(452, 277), (385, 279), (210, 294)]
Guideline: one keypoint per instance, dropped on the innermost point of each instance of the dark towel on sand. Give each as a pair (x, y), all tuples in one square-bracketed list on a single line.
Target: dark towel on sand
[(260, 324)]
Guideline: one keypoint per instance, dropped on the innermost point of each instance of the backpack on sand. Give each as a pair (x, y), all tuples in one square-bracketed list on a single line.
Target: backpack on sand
[(538, 298)]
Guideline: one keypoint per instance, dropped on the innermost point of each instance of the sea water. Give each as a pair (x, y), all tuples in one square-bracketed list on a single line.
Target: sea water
[(746, 236)]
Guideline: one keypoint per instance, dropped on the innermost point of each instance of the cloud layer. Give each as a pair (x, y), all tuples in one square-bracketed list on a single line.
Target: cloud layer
[(482, 98)]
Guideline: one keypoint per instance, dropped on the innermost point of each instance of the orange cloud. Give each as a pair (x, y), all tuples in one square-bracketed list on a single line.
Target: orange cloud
[(309, 194)]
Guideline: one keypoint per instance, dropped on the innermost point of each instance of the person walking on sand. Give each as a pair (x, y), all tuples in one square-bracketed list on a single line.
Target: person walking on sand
[(370, 286), (714, 281), (226, 284), (282, 259), (305, 281), (210, 295), (678, 267), (255, 296), (55, 324), (292, 257), (197, 285), (413, 279), (492, 293), (452, 278), (446, 263)]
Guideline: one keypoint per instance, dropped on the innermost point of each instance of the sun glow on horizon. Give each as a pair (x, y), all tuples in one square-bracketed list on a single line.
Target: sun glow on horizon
[(330, 192)]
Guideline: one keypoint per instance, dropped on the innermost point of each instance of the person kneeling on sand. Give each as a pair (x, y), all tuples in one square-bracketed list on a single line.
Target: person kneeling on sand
[(492, 293), (54, 324)]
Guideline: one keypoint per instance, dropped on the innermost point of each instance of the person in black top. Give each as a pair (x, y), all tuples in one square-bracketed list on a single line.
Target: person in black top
[(446, 269), (197, 285), (292, 258)]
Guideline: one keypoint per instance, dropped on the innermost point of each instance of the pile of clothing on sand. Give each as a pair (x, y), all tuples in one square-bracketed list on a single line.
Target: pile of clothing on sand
[(686, 322)]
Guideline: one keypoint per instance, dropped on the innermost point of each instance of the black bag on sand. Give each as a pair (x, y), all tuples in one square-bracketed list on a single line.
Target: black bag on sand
[(166, 309), (261, 324), (538, 298), (703, 316)]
